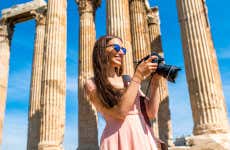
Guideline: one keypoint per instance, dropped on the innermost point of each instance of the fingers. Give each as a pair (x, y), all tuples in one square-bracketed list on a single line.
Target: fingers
[(151, 58), (153, 68)]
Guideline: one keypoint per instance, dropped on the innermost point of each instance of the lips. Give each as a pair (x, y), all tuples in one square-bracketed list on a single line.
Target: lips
[(118, 58)]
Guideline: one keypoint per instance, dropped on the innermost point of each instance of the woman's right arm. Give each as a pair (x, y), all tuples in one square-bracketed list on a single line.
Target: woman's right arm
[(128, 98)]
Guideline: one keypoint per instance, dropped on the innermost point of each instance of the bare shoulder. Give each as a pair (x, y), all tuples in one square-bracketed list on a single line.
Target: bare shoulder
[(90, 85), (91, 92)]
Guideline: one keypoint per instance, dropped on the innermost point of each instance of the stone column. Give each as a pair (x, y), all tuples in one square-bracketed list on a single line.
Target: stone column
[(53, 94), (118, 24), (87, 115), (206, 95), (35, 84), (163, 123), (140, 34), (6, 32)]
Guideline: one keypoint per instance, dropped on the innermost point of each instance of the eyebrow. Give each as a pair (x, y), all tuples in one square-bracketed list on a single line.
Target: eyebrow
[(113, 45)]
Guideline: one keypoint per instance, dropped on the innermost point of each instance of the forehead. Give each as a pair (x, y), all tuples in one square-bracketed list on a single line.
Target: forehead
[(115, 41)]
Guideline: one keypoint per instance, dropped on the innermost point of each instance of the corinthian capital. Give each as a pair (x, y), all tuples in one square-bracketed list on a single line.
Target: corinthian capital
[(39, 16), (6, 30), (153, 16), (88, 5)]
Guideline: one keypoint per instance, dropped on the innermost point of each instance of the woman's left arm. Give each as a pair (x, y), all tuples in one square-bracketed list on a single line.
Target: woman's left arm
[(152, 104)]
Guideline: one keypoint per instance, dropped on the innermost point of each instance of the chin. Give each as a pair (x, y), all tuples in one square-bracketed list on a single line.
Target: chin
[(116, 63)]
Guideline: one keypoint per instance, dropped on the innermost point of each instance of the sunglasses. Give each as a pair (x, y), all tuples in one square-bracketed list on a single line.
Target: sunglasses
[(117, 48)]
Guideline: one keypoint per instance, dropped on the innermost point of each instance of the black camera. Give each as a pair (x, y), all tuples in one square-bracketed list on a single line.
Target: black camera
[(167, 71)]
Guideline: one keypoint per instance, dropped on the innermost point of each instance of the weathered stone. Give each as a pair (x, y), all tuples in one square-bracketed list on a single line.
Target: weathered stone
[(6, 32), (139, 29), (209, 142), (164, 123), (140, 35), (53, 92), (118, 24), (35, 86), (206, 94), (87, 120), (22, 12)]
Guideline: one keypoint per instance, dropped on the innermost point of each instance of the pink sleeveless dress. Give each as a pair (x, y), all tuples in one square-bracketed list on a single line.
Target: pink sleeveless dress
[(131, 134)]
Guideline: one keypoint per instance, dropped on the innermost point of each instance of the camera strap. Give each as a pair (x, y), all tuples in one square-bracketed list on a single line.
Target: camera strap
[(127, 80)]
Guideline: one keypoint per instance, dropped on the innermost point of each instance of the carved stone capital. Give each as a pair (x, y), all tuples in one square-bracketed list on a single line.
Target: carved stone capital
[(39, 16), (88, 5), (153, 16), (6, 31)]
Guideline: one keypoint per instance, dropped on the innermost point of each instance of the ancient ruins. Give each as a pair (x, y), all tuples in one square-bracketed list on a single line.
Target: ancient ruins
[(138, 25)]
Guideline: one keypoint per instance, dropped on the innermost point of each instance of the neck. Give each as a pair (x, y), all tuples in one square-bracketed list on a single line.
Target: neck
[(112, 73)]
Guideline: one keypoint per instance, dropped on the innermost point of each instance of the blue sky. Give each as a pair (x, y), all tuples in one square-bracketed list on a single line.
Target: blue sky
[(15, 125)]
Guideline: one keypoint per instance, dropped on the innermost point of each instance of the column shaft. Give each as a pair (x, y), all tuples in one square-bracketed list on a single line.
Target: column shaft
[(87, 115), (164, 123), (35, 86), (140, 34), (118, 24), (54, 78), (5, 39), (206, 95)]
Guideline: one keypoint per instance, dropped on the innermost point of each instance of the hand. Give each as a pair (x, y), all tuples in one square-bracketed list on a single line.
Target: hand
[(145, 68)]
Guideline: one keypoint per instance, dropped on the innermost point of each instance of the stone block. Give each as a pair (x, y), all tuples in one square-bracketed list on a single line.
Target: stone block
[(209, 142)]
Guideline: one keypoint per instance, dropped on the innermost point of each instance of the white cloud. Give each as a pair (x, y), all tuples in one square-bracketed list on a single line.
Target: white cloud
[(181, 115), (71, 132), (72, 84), (19, 84), (224, 53), (15, 131)]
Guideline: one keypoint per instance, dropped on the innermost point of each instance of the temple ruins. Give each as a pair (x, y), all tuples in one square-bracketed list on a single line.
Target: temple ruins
[(138, 24)]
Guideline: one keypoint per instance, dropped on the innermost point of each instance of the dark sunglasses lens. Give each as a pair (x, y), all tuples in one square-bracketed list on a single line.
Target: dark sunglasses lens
[(124, 50), (117, 48)]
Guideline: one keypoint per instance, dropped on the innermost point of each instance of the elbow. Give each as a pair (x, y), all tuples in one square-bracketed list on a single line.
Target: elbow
[(152, 114)]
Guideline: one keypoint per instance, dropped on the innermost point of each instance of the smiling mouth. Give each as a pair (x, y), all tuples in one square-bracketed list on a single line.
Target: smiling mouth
[(118, 58)]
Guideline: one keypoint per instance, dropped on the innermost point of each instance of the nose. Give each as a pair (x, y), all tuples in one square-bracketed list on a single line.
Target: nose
[(121, 52)]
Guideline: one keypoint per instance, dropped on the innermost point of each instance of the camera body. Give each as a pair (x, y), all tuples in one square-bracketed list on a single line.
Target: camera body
[(167, 71)]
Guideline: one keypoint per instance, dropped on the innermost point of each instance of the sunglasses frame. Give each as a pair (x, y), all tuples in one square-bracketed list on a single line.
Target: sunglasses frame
[(117, 48)]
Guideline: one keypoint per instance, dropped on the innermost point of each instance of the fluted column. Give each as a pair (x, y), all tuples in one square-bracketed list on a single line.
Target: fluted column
[(163, 123), (206, 95), (118, 24), (35, 84), (53, 94), (87, 115), (6, 32), (140, 34)]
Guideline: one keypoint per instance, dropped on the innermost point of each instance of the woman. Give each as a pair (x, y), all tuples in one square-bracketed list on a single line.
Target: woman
[(125, 128)]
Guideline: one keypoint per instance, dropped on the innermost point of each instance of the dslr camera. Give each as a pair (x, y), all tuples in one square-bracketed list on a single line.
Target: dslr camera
[(167, 71)]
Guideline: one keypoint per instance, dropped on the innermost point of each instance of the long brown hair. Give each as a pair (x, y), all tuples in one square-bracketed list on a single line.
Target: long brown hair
[(108, 94)]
